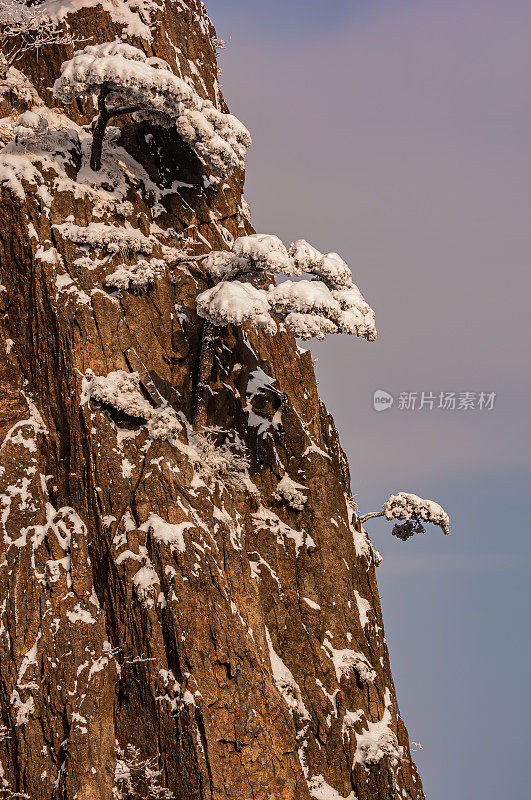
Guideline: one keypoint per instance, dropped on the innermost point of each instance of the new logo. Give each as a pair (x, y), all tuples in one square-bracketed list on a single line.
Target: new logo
[(382, 400)]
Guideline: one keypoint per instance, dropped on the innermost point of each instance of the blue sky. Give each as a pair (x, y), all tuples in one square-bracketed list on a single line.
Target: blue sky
[(397, 132)]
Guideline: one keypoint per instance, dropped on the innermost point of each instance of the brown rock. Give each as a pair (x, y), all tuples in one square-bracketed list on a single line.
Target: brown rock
[(157, 613)]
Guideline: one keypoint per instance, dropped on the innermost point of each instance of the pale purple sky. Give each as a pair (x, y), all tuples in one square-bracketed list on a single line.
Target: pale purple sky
[(398, 133)]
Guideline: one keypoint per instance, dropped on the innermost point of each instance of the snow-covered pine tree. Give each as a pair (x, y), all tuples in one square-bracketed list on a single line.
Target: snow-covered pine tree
[(328, 303), (126, 81), (415, 511)]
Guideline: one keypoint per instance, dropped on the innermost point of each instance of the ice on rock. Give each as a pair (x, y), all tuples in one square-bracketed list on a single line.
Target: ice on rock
[(235, 302), (15, 170), (320, 790), (364, 608), (285, 682), (378, 739), (147, 584), (166, 532), (345, 661)]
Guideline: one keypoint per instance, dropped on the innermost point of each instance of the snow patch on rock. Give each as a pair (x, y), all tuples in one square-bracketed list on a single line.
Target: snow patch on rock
[(378, 739), (290, 491), (285, 682)]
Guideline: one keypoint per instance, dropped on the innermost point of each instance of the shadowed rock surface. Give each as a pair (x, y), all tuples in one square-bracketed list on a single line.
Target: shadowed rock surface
[(168, 626)]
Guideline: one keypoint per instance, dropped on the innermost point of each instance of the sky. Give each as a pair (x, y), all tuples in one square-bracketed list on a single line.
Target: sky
[(397, 133)]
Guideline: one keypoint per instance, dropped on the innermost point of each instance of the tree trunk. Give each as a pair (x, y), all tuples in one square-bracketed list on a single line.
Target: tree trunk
[(202, 389), (99, 133)]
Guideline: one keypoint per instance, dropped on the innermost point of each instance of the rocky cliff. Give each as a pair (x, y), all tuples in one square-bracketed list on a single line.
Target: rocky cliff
[(172, 624)]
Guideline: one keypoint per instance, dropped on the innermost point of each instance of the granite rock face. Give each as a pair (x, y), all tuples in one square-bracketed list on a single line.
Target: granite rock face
[(170, 626)]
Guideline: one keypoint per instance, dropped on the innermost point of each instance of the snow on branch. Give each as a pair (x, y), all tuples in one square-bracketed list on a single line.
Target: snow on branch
[(164, 424), (329, 303), (265, 252), (134, 774), (330, 267), (136, 276), (125, 240), (24, 28), (221, 463), (128, 82), (224, 264), (414, 510), (109, 237), (356, 316), (28, 125)]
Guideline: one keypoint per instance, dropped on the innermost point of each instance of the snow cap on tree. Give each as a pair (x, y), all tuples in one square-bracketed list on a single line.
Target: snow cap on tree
[(408, 507), (356, 316), (265, 251), (223, 263), (235, 303), (330, 267), (310, 326), (304, 255), (130, 82), (304, 297)]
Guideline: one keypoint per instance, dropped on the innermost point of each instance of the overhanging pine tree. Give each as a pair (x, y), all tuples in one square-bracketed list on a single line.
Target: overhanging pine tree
[(329, 303), (126, 81), (414, 510)]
